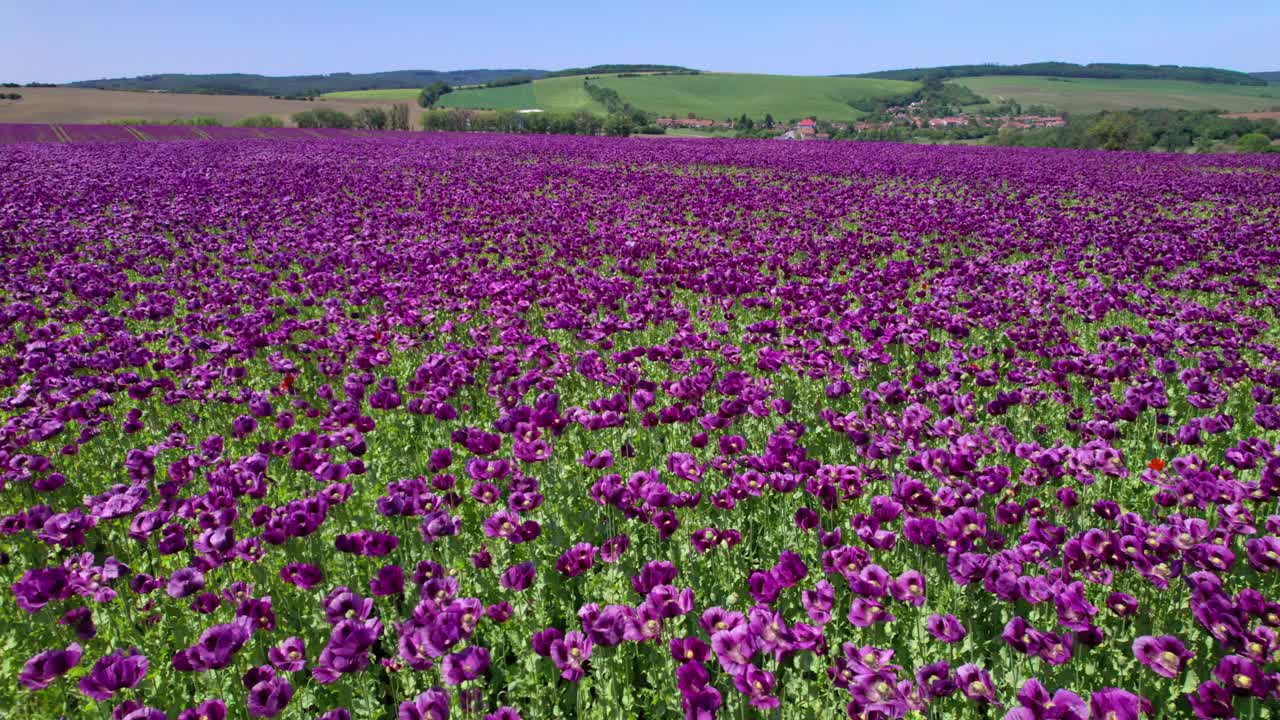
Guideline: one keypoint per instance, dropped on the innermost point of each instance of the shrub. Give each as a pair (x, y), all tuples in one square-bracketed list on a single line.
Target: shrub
[(260, 121)]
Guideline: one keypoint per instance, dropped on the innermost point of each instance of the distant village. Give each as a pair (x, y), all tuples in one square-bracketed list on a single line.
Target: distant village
[(904, 117)]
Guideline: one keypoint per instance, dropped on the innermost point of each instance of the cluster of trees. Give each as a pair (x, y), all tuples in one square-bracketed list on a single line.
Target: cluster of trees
[(375, 118), (936, 98), (616, 106), (301, 86), (544, 123), (508, 82), (615, 69), (1171, 130), (1107, 71), (260, 121), (368, 118), (433, 92), (10, 96)]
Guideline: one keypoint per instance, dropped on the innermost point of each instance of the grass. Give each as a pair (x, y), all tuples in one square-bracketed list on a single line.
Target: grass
[(720, 96), (710, 95), (552, 94), (391, 94), (1086, 95)]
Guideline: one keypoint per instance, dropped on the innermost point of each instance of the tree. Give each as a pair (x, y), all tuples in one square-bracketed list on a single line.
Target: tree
[(1254, 142), (398, 117), (768, 120), (322, 118), (618, 125), (433, 92), (1118, 131), (744, 123), (371, 118)]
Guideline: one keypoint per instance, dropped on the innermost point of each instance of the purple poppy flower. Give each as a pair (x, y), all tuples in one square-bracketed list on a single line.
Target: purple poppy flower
[(734, 648), (934, 680), (542, 640), (288, 656), (302, 575), (213, 709), (505, 712), (185, 582), (468, 664), (757, 685), (1119, 704), (43, 668), (518, 578), (946, 628), (1165, 655), (688, 649), (1242, 676), (113, 673), (976, 684), (570, 654), (577, 560), (388, 581)]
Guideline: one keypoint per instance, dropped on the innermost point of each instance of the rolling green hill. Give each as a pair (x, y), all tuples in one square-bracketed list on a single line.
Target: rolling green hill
[(1086, 95), (299, 85), (708, 95)]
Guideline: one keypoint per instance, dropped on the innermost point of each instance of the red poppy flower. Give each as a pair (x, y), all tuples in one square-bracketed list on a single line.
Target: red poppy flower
[(1156, 464)]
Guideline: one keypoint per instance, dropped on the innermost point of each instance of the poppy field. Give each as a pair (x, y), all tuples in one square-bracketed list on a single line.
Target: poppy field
[(477, 426)]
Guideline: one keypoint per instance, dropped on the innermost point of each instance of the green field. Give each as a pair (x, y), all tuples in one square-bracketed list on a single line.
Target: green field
[(391, 94), (710, 95), (1086, 95), (720, 96)]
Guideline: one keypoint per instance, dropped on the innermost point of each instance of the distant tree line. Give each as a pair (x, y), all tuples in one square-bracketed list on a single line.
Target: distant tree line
[(542, 123), (301, 86), (1105, 71), (613, 69), (508, 82), (10, 96), (368, 118), (1171, 130)]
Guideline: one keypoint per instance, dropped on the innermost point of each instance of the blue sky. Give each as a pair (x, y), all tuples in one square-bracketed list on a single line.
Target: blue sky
[(78, 39)]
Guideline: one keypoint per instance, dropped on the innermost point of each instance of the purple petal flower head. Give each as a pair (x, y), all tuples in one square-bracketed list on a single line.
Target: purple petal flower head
[(208, 710), (1035, 703), (465, 665), (604, 626), (688, 649), (909, 587), (653, 574), (269, 696), (81, 619), (1211, 700), (113, 673), (302, 575), (976, 684), (669, 601), (336, 714), (1242, 676), (185, 582), (611, 550), (577, 560), (40, 586), (819, 601), (544, 639), (946, 628), (505, 712), (216, 647), (865, 612), (934, 680), (757, 685), (1117, 704), (288, 656), (43, 668), (518, 578), (1165, 654), (734, 648), (388, 581), (570, 654)]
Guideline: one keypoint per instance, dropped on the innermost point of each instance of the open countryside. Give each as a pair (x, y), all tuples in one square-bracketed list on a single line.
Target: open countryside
[(1089, 95)]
